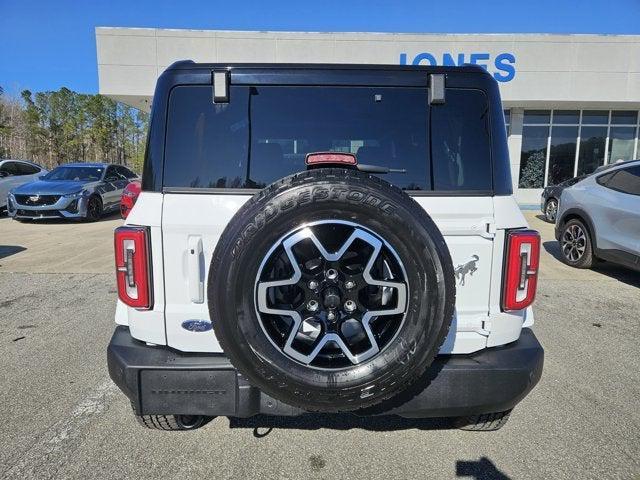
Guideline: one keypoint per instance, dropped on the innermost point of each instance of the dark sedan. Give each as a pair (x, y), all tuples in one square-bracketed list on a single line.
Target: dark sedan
[(74, 190), (551, 197)]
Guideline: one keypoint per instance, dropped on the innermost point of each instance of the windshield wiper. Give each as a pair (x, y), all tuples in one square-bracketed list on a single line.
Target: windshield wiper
[(377, 169)]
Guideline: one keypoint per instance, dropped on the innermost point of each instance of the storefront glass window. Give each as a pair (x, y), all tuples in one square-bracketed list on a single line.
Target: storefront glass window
[(571, 117), (562, 154), (568, 142), (595, 117), (533, 156), (537, 116), (624, 117), (592, 143), (621, 143)]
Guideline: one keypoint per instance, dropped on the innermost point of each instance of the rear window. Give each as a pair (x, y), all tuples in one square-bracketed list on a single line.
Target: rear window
[(265, 132), (461, 142)]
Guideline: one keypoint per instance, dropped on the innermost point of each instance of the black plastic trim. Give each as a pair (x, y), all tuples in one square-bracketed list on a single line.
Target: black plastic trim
[(621, 257), (159, 380)]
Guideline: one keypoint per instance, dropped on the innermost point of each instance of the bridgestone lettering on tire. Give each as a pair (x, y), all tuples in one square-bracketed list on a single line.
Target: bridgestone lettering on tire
[(331, 290)]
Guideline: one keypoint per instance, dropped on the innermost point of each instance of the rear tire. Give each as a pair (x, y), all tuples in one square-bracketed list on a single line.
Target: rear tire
[(172, 422), (576, 247), (486, 422)]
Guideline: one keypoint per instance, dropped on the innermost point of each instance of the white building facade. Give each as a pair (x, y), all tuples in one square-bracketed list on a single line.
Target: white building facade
[(571, 102)]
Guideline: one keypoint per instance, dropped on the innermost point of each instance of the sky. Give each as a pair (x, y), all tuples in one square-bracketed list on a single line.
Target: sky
[(50, 44)]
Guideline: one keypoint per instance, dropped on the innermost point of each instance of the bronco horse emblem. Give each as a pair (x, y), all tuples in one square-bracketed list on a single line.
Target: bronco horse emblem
[(469, 267)]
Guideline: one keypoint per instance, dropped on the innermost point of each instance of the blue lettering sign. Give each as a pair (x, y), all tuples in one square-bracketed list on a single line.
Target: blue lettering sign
[(503, 68), (421, 57), (505, 62)]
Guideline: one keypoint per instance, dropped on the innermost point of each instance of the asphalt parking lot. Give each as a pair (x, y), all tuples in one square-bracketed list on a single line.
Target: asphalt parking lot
[(62, 417)]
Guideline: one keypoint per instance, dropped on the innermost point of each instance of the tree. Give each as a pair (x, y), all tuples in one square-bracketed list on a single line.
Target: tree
[(532, 172), (63, 126)]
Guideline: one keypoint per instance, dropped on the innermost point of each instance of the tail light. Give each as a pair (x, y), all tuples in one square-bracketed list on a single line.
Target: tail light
[(521, 269), (337, 159), (133, 266)]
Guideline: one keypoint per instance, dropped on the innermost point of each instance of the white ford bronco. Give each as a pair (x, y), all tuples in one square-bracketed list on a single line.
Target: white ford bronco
[(325, 238)]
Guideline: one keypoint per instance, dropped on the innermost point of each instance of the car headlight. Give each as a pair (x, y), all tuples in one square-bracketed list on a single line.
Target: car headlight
[(76, 194)]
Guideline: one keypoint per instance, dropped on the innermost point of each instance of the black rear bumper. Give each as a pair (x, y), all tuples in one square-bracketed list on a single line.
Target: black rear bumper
[(163, 381)]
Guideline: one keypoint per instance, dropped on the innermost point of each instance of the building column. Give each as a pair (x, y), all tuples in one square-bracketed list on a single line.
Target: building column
[(515, 145)]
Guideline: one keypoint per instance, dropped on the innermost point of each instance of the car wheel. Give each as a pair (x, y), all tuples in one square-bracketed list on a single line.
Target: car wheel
[(94, 209), (172, 422), (575, 244), (483, 423), (331, 290), (551, 210)]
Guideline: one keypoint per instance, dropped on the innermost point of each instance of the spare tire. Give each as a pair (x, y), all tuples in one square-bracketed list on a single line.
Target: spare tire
[(331, 290)]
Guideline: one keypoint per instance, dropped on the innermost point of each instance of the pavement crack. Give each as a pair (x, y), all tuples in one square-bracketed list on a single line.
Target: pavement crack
[(41, 459)]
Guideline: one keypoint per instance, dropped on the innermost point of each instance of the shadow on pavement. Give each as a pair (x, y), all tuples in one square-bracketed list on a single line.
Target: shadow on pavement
[(263, 424), (8, 250), (58, 221), (483, 469), (611, 270), (540, 216)]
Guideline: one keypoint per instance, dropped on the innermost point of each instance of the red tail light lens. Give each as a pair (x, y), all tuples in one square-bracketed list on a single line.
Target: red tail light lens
[(327, 158), (133, 266), (521, 269)]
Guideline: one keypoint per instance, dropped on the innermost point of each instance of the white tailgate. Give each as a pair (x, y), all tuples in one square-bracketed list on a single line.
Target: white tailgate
[(468, 226), (194, 223)]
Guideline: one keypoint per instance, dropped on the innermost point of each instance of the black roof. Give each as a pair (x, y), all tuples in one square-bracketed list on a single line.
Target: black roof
[(191, 65)]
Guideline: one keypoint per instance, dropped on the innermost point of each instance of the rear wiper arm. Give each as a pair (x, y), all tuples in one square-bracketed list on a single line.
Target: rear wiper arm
[(377, 169)]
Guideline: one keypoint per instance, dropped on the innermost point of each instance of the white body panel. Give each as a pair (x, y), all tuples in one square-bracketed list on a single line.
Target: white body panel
[(185, 229), (148, 325)]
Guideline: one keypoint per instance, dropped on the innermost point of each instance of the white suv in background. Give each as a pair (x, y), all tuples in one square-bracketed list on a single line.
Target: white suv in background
[(14, 173), (599, 218)]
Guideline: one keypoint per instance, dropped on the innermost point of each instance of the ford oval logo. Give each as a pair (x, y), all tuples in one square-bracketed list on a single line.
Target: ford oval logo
[(197, 325)]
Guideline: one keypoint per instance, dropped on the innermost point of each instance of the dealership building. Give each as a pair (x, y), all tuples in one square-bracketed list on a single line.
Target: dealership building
[(571, 102)]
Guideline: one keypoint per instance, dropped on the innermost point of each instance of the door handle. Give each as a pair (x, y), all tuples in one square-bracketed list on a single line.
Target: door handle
[(195, 262)]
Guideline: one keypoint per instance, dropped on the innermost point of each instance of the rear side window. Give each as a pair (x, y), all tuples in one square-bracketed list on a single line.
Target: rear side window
[(26, 169), (461, 142), (125, 172), (10, 168), (265, 132), (625, 180)]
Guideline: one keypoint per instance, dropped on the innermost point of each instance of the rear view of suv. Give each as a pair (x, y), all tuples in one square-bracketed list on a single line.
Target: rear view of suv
[(328, 239)]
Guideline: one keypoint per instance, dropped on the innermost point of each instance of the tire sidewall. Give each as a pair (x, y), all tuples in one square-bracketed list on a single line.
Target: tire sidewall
[(94, 218), (388, 213), (546, 210), (586, 259)]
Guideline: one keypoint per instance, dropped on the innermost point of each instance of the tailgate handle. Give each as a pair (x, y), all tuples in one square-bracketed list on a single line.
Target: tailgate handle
[(195, 262)]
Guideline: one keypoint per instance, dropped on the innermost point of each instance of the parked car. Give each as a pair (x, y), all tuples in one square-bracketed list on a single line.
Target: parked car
[(551, 196), (14, 173), (303, 242), (129, 197), (599, 218), (74, 190)]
